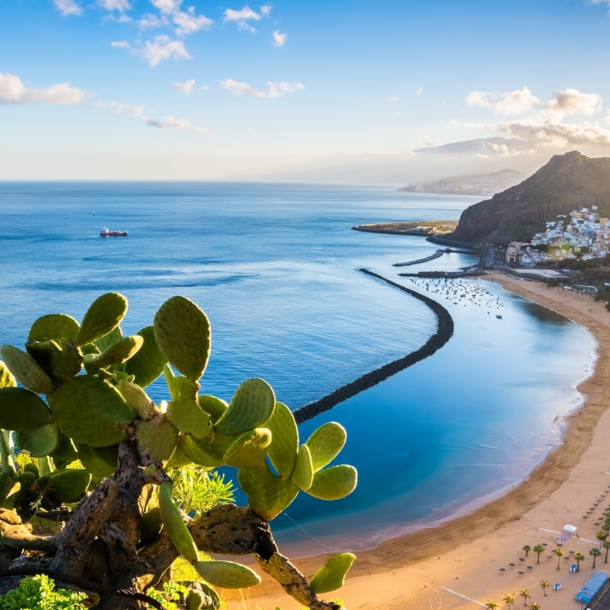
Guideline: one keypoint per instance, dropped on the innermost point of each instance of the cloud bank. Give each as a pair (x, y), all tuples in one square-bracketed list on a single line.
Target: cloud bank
[(13, 91), (277, 89)]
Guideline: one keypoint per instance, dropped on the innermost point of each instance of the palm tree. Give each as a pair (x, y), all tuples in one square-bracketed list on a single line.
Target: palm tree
[(545, 585), (538, 549), (527, 548), (525, 594), (607, 547), (509, 600), (579, 557), (601, 536), (596, 553), (535, 606), (490, 604), (559, 553)]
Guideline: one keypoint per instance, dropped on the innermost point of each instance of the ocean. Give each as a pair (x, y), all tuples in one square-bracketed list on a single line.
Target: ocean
[(275, 267)]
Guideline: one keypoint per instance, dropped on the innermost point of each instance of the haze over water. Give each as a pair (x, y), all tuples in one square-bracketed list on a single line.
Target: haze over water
[(275, 268)]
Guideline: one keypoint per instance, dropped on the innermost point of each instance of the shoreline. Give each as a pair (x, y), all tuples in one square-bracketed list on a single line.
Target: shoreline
[(373, 575)]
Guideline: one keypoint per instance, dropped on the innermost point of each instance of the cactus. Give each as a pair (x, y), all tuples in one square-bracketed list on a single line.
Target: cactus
[(249, 450), (285, 444), (325, 444), (303, 471), (127, 446), (333, 483), (195, 600), (26, 370), (183, 335), (148, 362), (101, 424), (227, 574), (102, 317), (331, 575), (54, 326), (251, 407), (174, 524)]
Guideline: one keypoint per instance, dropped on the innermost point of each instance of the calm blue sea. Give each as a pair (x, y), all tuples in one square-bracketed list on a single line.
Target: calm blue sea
[(275, 268)]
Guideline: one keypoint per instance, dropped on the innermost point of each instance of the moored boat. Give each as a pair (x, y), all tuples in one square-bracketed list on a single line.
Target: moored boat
[(105, 232)]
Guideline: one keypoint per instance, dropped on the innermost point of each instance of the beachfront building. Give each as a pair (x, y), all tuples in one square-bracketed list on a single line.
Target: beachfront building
[(580, 234)]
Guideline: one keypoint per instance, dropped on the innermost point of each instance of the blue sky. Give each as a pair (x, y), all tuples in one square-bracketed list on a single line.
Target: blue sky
[(104, 88)]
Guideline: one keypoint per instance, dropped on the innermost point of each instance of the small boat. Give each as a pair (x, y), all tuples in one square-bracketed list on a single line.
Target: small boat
[(499, 317), (105, 232)]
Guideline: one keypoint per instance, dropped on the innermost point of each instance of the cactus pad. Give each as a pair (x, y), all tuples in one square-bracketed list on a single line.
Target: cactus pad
[(90, 411), (157, 437), (249, 450), (195, 600), (251, 407), (26, 370), (102, 317), (303, 471), (178, 460), (325, 443), (103, 343), (334, 483), (40, 441), (185, 413), (285, 443), (54, 326), (216, 445), (22, 410), (147, 363), (268, 495), (215, 407), (117, 353), (137, 399), (69, 485), (59, 358), (66, 450), (6, 378), (174, 525), (110, 455), (194, 451), (331, 576), (150, 526), (227, 574), (93, 464), (182, 331)]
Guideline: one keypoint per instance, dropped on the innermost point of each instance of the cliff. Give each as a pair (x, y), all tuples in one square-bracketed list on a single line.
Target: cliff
[(567, 182)]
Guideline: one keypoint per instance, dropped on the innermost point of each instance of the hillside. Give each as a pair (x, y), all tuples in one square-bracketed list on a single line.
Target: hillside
[(567, 182), (486, 184)]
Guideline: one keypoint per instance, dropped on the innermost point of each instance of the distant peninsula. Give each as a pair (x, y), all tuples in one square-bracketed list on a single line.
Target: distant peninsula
[(420, 227), (486, 184), (566, 183)]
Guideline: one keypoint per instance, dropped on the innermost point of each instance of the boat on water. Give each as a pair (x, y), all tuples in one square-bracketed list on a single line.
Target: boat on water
[(105, 232)]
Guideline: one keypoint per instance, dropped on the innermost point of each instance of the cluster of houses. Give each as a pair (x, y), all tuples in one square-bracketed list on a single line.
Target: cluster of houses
[(581, 234)]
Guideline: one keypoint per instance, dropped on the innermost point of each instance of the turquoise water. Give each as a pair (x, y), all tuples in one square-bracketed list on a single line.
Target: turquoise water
[(275, 268)]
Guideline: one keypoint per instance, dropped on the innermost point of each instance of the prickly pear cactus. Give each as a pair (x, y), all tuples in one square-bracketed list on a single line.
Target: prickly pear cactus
[(97, 438)]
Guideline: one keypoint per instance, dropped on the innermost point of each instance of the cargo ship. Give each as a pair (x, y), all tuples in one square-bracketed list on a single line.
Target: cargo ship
[(107, 233)]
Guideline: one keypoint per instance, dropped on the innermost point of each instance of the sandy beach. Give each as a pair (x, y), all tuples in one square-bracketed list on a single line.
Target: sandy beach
[(457, 564)]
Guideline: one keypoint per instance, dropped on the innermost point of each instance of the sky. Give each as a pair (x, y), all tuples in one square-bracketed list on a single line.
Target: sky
[(305, 91)]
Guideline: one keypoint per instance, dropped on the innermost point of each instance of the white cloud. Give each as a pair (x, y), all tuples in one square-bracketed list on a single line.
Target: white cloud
[(279, 40), (187, 88), (419, 91), (150, 21), (549, 133), (393, 98), (68, 7), (277, 89), (515, 102), (115, 5), (12, 90), (121, 109), (188, 22), (169, 122), (167, 6), (120, 44), (242, 17), (572, 101), (266, 9), (202, 130), (163, 47)]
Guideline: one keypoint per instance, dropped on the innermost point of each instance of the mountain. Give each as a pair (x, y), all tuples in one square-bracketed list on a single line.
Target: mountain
[(481, 146), (486, 184), (567, 182)]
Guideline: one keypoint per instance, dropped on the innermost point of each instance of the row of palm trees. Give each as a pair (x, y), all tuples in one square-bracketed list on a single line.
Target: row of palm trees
[(509, 598), (595, 552)]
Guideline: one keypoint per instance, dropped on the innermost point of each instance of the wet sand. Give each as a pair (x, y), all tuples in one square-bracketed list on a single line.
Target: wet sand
[(465, 555)]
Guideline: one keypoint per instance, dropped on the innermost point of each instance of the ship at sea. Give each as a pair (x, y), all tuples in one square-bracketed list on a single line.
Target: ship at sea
[(105, 232)]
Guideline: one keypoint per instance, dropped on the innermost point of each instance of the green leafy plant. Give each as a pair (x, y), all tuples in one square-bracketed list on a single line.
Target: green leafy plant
[(101, 445), (39, 593)]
